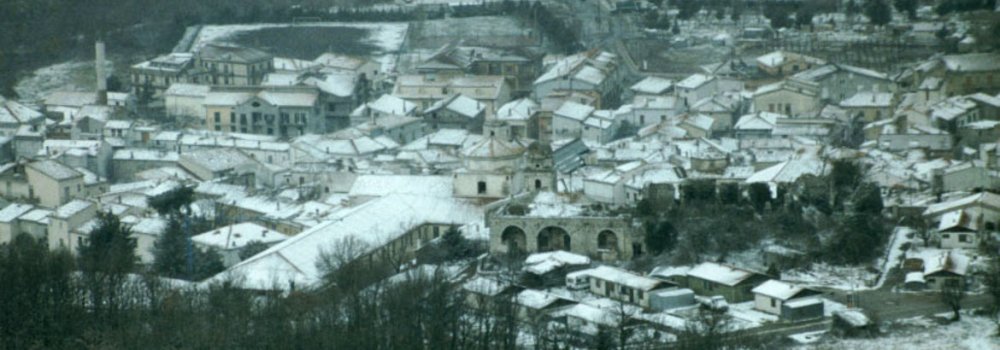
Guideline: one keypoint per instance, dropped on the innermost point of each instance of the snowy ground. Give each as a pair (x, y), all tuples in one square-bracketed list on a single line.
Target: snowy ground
[(838, 277), (67, 76), (388, 37), (853, 277), (971, 333)]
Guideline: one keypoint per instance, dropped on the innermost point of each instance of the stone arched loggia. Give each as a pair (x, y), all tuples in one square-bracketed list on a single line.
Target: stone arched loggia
[(514, 239), (607, 240), (554, 238)]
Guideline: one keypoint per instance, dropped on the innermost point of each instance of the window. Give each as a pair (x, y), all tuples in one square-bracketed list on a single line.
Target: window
[(481, 187), (218, 117), (66, 191), (232, 117), (964, 238), (78, 187), (773, 302), (945, 236)]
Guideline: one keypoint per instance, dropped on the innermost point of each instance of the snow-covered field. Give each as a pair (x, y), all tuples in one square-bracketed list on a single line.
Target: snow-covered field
[(838, 277), (971, 333), (67, 76), (388, 37)]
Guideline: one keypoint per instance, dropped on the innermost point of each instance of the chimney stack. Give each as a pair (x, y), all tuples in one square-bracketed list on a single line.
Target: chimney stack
[(102, 83)]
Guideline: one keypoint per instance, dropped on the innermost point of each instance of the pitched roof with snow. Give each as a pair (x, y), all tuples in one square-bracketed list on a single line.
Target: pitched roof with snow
[(972, 62), (653, 85), (779, 290), (625, 278), (695, 81), (12, 112), (984, 198), (383, 185), (364, 228), (789, 171), (55, 170), (575, 111), (719, 273), (238, 235), (542, 263), (758, 121), (460, 104), (868, 99), (13, 211), (520, 109)]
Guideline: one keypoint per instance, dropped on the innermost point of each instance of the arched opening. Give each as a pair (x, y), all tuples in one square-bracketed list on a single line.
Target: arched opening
[(514, 239), (607, 240), (538, 184), (553, 238)]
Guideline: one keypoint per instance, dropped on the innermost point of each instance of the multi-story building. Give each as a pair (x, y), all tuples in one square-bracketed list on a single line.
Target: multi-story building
[(153, 77), (286, 111), (233, 65)]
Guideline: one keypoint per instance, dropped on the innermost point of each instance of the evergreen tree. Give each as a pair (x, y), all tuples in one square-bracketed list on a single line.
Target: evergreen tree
[(172, 202), (909, 7), (688, 8), (110, 247), (878, 12), (773, 271), (38, 297), (857, 239), (170, 251), (455, 245), (760, 194), (778, 15), (845, 174), (106, 259), (170, 255), (852, 8), (804, 16), (660, 237), (868, 199)]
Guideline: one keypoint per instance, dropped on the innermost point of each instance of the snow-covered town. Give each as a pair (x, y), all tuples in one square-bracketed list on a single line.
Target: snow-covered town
[(503, 174)]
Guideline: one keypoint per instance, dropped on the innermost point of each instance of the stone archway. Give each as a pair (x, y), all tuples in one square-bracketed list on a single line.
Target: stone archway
[(607, 240), (514, 239), (554, 238)]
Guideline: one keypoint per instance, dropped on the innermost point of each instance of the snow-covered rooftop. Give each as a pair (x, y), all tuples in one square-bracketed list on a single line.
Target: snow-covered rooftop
[(237, 236), (718, 273), (778, 289), (653, 85), (383, 185), (868, 99), (625, 278), (365, 228), (542, 263)]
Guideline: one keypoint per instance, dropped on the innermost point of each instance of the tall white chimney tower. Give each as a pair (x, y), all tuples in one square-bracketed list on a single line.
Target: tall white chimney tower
[(102, 82)]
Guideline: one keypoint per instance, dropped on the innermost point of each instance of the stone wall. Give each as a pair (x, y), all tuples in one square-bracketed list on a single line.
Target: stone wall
[(602, 238)]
